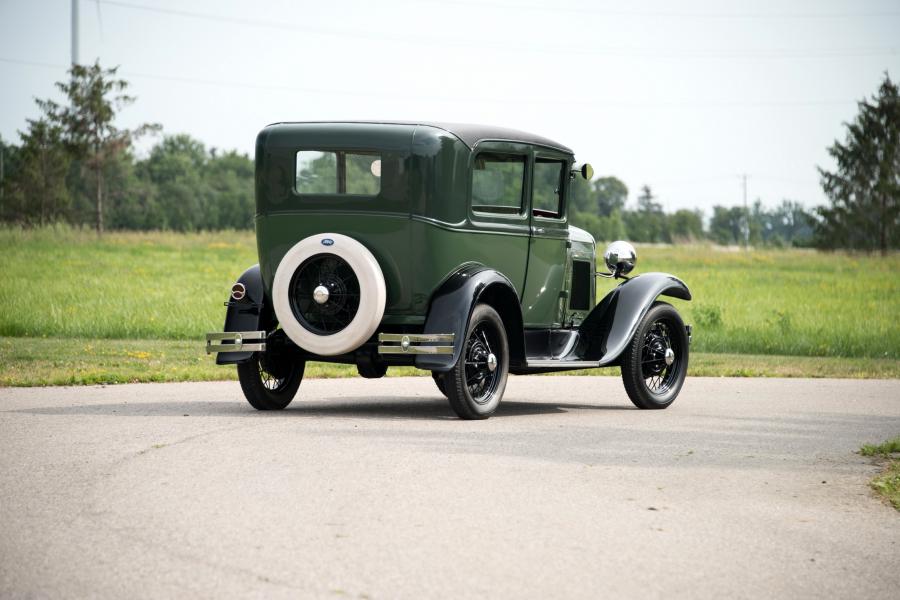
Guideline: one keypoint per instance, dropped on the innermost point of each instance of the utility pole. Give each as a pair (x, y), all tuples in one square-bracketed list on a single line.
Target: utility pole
[(746, 214), (2, 178), (74, 32)]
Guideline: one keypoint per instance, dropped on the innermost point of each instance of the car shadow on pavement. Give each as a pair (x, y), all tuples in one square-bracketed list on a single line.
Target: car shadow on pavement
[(364, 407)]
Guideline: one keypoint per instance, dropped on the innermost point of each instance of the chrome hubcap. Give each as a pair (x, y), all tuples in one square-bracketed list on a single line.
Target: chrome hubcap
[(491, 362), (320, 294), (669, 356)]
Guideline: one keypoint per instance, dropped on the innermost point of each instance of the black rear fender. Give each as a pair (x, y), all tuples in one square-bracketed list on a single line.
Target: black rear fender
[(251, 313), (451, 307)]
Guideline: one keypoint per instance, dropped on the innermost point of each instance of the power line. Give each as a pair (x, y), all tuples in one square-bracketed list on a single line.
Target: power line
[(667, 14), (620, 104), (620, 51)]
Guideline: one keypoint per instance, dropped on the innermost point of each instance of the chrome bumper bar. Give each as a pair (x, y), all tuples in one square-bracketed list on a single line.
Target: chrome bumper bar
[(236, 341), (409, 343)]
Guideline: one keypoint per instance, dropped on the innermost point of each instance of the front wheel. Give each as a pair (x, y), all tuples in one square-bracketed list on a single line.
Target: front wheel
[(269, 386), (475, 384), (655, 362)]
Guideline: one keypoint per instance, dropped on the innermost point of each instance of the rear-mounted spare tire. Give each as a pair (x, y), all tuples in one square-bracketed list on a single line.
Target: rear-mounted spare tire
[(329, 294)]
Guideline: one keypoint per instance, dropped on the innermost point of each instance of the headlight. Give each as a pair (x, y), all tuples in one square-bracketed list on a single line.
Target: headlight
[(620, 258)]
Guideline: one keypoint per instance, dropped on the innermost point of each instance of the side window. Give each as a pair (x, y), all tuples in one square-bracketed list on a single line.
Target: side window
[(325, 172), (497, 183), (363, 174), (547, 194)]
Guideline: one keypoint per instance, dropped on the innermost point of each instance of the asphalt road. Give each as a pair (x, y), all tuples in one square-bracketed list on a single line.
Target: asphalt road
[(371, 489)]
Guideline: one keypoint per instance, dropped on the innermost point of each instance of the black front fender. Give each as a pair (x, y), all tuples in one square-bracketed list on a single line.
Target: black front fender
[(249, 314), (452, 305), (610, 326)]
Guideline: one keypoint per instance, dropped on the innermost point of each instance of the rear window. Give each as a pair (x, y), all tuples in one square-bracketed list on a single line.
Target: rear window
[(338, 172)]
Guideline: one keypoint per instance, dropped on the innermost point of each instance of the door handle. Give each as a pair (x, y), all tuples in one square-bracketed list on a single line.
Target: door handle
[(538, 230)]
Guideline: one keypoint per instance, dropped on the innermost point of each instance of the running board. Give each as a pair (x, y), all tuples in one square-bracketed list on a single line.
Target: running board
[(563, 364)]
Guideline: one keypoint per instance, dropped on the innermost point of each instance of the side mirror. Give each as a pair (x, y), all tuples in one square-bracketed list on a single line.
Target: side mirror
[(620, 257), (585, 170)]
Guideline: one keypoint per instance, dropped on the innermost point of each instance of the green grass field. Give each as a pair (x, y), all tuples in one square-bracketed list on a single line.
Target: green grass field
[(64, 283), (76, 361)]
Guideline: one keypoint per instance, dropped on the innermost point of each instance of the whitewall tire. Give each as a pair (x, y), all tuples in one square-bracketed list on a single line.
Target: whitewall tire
[(372, 294)]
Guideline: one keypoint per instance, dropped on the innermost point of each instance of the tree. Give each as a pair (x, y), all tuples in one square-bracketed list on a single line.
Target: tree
[(88, 122), (726, 225), (864, 190), (648, 222), (610, 194), (9, 163), (176, 168), (686, 225), (789, 222), (184, 186), (39, 184), (230, 176)]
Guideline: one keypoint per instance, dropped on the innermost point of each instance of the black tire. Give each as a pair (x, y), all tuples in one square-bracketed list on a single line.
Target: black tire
[(371, 370), (650, 381), (439, 382), (265, 391), (473, 389)]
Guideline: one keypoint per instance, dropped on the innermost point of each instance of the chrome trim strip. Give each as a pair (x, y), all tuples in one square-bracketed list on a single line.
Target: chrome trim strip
[(415, 350), (416, 337)]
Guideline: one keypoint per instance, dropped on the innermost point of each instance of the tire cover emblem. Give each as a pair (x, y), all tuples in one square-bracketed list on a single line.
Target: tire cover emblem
[(327, 242)]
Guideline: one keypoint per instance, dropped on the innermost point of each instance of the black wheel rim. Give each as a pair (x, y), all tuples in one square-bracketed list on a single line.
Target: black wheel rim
[(481, 381), (335, 275), (269, 381), (661, 373)]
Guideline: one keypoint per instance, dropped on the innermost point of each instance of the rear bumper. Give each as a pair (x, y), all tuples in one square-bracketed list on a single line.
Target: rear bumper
[(236, 341), (237, 346), (412, 343)]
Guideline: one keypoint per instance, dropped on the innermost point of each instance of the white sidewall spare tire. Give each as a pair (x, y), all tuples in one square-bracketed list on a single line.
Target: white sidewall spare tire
[(372, 294)]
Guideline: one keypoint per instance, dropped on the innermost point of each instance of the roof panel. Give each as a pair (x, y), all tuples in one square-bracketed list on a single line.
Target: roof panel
[(470, 134)]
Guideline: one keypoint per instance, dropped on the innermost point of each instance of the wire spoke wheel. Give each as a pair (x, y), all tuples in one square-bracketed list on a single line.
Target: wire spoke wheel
[(475, 384), (269, 381), (269, 385), (324, 294), (481, 364), (659, 359), (654, 364)]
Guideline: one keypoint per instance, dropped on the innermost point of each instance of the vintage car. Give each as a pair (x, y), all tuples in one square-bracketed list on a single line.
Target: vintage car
[(441, 246)]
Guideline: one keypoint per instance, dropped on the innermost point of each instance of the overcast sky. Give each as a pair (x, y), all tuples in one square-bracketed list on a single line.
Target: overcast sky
[(683, 96)]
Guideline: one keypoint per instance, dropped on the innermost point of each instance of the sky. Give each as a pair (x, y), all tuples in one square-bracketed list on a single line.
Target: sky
[(683, 96)]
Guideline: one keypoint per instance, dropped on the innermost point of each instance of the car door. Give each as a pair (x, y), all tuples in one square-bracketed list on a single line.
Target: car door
[(544, 299), (498, 210)]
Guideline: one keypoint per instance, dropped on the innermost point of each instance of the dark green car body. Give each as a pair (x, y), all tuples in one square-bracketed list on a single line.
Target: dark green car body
[(421, 225)]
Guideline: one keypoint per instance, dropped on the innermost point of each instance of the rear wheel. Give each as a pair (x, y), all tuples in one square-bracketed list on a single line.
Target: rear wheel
[(439, 382), (655, 362), (268, 385), (475, 384)]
